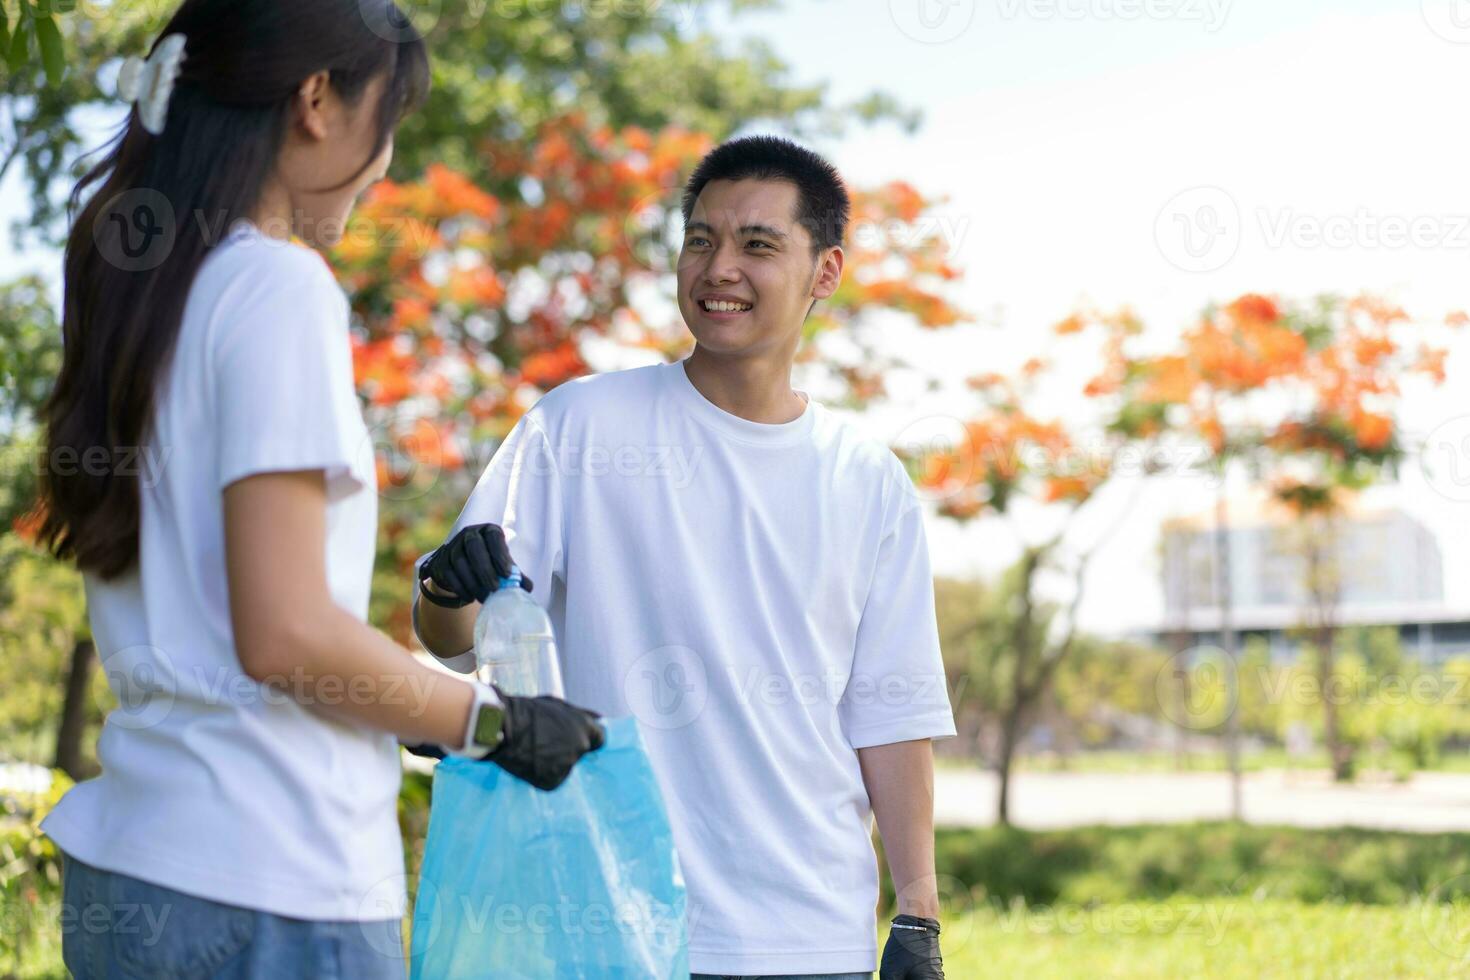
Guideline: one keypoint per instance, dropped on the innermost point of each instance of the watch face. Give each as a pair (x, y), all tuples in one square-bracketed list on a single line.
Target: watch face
[(487, 726)]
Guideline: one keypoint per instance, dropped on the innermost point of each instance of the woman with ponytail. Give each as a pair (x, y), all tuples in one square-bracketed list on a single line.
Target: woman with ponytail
[(211, 476)]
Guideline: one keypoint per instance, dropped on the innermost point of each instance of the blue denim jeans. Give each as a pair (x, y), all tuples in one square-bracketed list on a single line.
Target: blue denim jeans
[(114, 927), (784, 976)]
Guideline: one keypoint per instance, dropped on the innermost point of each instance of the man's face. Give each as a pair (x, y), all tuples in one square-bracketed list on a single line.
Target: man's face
[(747, 273)]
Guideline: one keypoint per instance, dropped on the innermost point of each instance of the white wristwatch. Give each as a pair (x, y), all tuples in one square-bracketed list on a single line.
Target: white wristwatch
[(485, 729)]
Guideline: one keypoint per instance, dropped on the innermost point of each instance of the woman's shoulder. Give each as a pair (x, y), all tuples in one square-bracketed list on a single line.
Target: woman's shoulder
[(250, 278), (246, 253)]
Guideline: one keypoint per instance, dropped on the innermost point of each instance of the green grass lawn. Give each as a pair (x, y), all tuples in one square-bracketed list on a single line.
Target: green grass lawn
[(1219, 938), (1211, 899)]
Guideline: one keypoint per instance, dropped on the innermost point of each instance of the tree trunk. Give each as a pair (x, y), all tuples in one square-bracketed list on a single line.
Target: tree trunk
[(1009, 736), (1227, 642), (74, 710), (1325, 586), (1339, 752)]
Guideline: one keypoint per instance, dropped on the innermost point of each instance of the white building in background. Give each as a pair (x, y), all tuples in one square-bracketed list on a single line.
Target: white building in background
[(1389, 573)]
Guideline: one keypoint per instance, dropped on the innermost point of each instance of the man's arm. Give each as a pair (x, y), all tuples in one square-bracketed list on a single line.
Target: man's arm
[(519, 489), (446, 633), (450, 585), (900, 781)]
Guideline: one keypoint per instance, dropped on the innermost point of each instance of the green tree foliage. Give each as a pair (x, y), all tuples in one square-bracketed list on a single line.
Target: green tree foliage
[(501, 69), (1091, 690), (30, 356), (42, 615)]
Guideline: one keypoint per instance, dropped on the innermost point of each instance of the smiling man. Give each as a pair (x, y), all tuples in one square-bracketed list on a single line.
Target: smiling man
[(767, 614)]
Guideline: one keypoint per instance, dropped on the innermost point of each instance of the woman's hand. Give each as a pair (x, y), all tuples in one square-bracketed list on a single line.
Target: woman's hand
[(544, 737)]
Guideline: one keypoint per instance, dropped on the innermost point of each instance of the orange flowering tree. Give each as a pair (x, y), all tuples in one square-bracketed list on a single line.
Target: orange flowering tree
[(470, 304), (897, 261), (1304, 394), (1307, 394), (1007, 461)]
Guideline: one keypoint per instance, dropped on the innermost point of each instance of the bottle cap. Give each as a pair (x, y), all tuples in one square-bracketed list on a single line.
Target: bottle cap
[(513, 580)]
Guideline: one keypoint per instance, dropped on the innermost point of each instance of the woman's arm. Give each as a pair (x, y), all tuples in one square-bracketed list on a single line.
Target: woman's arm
[(289, 632)]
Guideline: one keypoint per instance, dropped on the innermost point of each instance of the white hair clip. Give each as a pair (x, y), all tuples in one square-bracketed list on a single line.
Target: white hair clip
[(150, 83)]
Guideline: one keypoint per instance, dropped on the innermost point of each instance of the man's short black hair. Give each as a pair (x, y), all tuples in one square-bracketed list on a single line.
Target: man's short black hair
[(822, 205)]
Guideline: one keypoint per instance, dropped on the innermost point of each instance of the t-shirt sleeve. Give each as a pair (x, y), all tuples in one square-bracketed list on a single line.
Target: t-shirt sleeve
[(521, 491), (896, 692), (285, 399)]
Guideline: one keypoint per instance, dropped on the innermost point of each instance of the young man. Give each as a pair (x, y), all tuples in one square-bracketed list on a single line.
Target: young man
[(748, 576)]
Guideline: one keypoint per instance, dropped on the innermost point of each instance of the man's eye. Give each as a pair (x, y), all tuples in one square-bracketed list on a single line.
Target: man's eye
[(756, 241), (696, 242)]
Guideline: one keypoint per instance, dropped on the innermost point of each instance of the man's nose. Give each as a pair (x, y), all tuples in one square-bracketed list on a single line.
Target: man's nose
[(721, 267)]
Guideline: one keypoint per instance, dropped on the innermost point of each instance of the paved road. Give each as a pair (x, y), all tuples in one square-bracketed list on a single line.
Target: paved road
[(1429, 802)]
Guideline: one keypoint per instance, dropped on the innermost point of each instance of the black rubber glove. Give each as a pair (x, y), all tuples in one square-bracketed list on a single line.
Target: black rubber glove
[(544, 738), (469, 566), (912, 951)]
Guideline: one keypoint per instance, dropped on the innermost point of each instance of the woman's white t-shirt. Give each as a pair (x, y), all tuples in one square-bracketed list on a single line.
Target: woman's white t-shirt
[(213, 784)]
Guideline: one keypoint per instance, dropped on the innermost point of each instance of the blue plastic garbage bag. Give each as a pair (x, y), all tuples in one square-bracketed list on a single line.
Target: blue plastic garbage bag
[(581, 883)]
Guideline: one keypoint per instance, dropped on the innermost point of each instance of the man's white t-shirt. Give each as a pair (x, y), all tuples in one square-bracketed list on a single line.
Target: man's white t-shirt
[(212, 784), (760, 598)]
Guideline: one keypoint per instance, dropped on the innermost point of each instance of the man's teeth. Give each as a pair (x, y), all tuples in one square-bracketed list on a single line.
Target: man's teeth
[(720, 306)]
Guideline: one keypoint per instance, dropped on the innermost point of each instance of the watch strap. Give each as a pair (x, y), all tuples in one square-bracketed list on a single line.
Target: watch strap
[(442, 601), (470, 746)]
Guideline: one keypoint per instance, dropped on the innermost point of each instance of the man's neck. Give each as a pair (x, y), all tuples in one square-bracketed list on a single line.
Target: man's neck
[(757, 389)]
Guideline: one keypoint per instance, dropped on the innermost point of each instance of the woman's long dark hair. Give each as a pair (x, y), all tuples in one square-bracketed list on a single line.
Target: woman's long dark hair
[(123, 305)]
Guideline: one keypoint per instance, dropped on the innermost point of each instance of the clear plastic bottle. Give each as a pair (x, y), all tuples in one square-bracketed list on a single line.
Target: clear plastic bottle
[(515, 647)]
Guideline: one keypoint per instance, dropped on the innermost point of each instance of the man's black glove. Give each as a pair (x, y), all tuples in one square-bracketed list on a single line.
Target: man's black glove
[(912, 952), (544, 738), (469, 566)]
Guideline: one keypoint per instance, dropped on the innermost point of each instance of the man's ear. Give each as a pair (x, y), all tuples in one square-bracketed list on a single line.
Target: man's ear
[(829, 273), (311, 102)]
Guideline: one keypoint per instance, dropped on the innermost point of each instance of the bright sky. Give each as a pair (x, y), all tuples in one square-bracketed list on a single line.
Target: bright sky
[(1073, 138), (1080, 141)]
